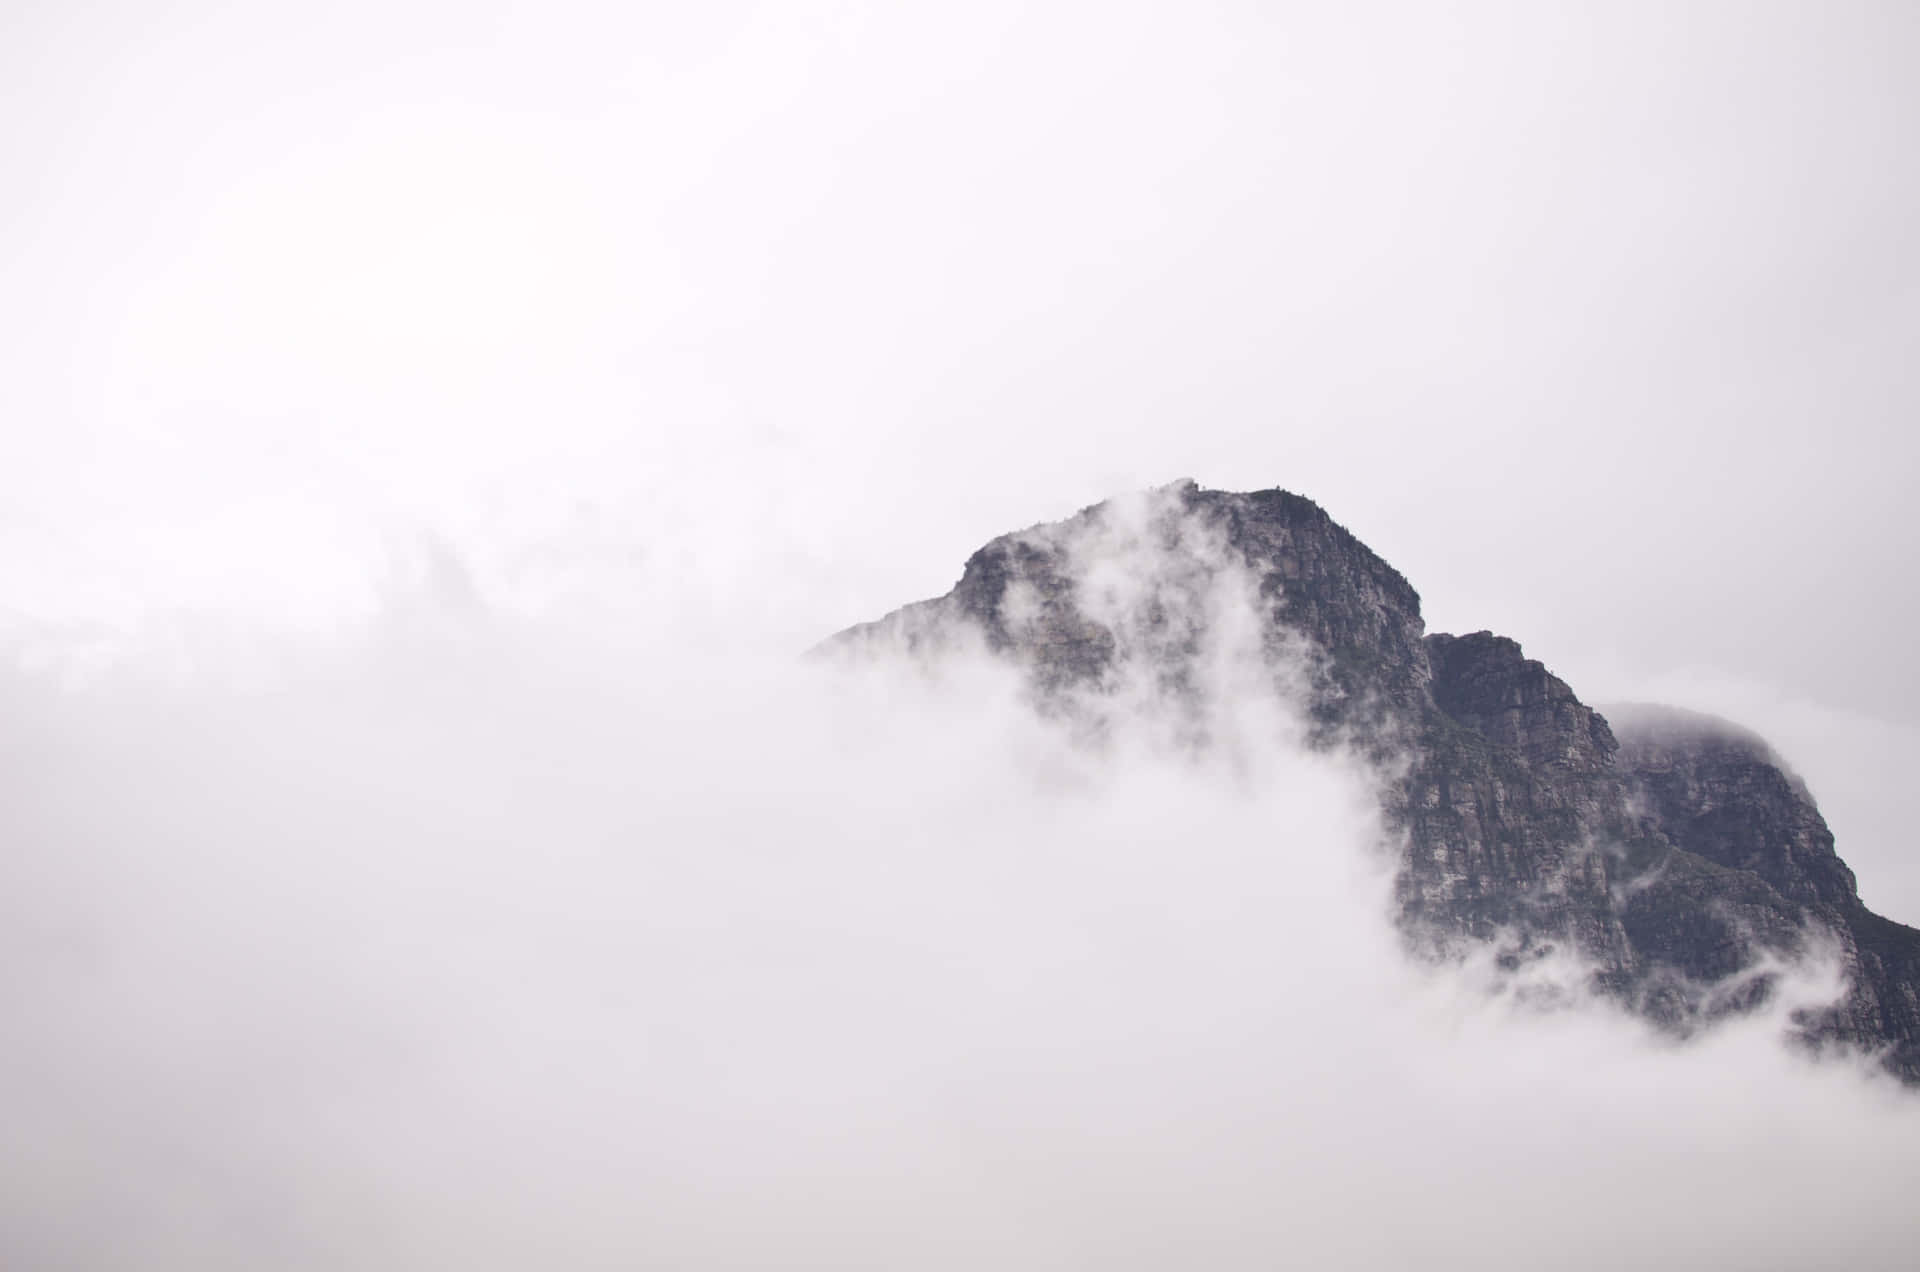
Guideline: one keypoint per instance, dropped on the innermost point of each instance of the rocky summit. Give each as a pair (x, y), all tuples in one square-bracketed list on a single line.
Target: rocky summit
[(1673, 853)]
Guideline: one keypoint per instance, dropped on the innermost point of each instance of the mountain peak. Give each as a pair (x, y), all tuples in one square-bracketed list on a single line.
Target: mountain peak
[(1670, 851)]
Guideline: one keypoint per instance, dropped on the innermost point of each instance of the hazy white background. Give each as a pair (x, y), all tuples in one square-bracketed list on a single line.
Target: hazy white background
[(1596, 320), (730, 325)]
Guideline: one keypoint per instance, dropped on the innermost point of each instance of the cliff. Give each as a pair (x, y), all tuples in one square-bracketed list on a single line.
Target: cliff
[(1672, 852)]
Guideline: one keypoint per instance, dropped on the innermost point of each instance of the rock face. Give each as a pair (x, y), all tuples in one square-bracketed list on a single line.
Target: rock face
[(1672, 852)]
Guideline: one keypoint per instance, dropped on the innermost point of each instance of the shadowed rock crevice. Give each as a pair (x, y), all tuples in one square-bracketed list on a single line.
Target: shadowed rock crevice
[(1671, 852)]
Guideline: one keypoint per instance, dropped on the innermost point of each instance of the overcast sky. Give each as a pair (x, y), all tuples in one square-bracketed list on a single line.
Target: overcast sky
[(1596, 320), (717, 327)]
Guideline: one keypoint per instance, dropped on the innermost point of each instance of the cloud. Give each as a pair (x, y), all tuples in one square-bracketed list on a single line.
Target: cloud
[(512, 943), (552, 915)]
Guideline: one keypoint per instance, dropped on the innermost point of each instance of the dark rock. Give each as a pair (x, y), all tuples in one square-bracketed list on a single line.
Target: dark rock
[(1679, 858), (1719, 793)]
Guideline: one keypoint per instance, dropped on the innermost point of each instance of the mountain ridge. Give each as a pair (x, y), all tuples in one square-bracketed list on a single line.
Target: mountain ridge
[(1674, 853)]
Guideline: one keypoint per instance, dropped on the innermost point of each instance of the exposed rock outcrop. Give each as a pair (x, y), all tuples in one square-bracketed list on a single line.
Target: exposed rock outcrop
[(1720, 795), (1674, 853)]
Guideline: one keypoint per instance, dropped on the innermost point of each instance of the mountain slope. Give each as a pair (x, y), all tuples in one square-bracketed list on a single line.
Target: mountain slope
[(1675, 855)]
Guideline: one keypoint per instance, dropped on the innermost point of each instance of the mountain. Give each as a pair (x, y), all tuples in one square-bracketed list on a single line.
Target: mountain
[(1672, 852)]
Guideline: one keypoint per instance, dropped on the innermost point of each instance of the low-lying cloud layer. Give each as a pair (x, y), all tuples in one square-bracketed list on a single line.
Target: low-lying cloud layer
[(496, 945)]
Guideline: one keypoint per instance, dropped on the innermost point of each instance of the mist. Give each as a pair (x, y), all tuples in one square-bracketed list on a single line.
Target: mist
[(430, 435), (496, 942)]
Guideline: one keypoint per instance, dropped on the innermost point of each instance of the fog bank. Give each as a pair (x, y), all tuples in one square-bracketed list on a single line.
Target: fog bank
[(503, 943)]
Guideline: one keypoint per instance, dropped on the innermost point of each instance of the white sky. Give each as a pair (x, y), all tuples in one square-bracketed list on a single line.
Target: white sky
[(720, 327), (1596, 320)]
